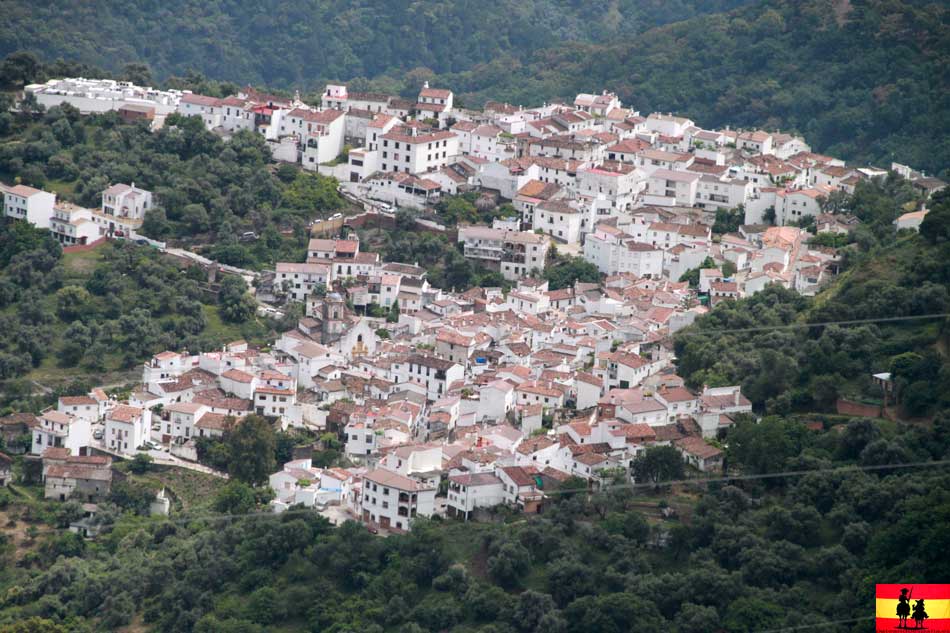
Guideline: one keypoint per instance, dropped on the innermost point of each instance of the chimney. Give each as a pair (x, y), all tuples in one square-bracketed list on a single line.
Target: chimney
[(737, 396), (425, 85)]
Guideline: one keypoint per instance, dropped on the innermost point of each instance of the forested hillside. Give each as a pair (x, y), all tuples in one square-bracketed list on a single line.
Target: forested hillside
[(286, 44), (867, 80), (863, 79), (765, 344)]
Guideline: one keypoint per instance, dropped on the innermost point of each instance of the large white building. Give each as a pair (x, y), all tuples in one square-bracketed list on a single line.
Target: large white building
[(412, 151), (392, 501), (615, 252), (26, 203), (103, 95)]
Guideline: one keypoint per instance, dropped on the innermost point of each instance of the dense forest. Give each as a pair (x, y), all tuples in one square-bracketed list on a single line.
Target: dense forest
[(287, 44), (863, 79)]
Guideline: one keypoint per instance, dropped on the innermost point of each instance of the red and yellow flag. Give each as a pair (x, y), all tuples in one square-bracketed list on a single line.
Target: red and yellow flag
[(936, 605)]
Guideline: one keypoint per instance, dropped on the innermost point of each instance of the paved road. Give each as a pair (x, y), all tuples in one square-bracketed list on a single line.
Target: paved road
[(164, 458)]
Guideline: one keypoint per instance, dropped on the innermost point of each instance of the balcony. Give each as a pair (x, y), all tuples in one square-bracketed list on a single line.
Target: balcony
[(481, 252)]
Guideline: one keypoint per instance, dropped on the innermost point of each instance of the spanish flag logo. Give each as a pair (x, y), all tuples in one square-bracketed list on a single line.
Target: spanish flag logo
[(912, 607)]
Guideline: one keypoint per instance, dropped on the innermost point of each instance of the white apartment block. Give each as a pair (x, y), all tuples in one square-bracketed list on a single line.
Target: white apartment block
[(515, 253), (617, 254), (412, 151), (392, 501)]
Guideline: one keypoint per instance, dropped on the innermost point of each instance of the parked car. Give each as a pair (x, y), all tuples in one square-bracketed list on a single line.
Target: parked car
[(98, 433), (248, 236)]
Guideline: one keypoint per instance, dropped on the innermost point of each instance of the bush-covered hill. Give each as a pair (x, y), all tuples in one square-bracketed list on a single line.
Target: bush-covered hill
[(283, 43), (864, 79), (93, 316)]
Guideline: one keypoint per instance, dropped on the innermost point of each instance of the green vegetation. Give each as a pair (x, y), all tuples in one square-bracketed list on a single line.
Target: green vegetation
[(211, 194), (102, 311), (738, 557), (564, 272), (443, 259), (330, 40), (807, 368)]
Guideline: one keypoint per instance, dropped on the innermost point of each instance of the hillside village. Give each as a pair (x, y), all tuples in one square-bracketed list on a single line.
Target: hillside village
[(453, 402)]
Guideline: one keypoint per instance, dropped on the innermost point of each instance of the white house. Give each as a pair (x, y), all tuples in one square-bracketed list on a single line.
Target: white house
[(495, 400), (561, 220), (473, 490), (672, 188), (409, 150), (127, 428), (79, 406), (392, 501), (61, 430), (26, 203), (301, 280), (72, 224)]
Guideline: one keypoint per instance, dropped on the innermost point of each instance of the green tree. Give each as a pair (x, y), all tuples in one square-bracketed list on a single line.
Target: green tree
[(237, 306), (570, 270), (140, 463), (658, 464), (71, 302), (251, 444)]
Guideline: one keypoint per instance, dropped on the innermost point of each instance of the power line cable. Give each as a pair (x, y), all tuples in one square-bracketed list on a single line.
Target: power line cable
[(631, 485)]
